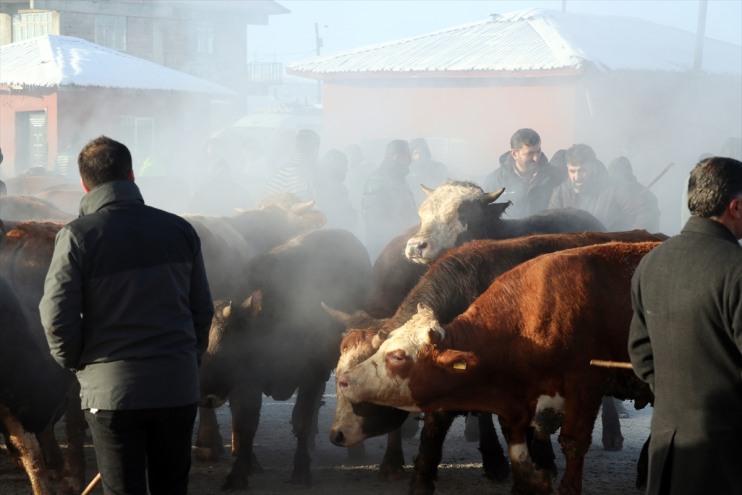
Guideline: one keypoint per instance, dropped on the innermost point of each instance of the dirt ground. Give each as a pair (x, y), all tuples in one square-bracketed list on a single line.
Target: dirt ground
[(606, 473)]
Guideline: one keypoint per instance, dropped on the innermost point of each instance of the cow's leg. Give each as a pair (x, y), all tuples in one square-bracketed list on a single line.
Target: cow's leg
[(612, 438), (391, 468), (528, 478), (539, 448), (245, 401), (26, 445), (575, 437), (302, 420), (52, 453), (435, 427), (496, 466), (209, 442)]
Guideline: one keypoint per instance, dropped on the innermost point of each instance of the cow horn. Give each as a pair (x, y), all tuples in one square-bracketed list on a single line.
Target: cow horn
[(426, 189), (343, 318), (302, 207), (490, 197), (227, 310)]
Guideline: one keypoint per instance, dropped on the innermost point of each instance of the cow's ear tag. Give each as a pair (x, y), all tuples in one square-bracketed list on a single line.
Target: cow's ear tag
[(459, 365)]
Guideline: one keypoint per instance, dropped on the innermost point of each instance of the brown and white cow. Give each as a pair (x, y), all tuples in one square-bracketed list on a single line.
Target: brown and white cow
[(459, 211), (522, 350), (279, 340), (450, 285)]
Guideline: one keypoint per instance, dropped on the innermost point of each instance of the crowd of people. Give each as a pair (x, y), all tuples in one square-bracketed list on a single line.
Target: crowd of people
[(685, 338)]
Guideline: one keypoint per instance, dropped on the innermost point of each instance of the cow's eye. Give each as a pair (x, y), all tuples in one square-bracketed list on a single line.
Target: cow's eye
[(396, 357)]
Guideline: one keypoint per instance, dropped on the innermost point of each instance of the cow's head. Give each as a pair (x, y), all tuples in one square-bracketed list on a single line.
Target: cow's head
[(354, 423), (217, 372), (384, 377), (445, 214)]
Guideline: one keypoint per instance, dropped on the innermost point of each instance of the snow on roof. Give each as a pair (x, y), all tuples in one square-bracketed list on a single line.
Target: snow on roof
[(52, 60), (534, 40)]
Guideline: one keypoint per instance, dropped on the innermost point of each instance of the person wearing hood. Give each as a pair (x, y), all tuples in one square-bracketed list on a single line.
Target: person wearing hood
[(388, 206), (526, 175), (591, 188), (424, 170)]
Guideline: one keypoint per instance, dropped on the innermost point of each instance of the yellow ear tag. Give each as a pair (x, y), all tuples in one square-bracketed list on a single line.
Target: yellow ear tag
[(459, 365)]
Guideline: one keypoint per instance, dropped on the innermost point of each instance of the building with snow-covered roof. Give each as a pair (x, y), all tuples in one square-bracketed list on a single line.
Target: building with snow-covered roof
[(59, 90), (625, 86)]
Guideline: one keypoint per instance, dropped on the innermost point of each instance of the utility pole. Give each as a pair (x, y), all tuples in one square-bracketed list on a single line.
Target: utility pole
[(700, 35), (318, 45)]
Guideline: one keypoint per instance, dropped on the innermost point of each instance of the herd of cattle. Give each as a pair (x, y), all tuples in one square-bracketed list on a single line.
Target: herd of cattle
[(466, 312)]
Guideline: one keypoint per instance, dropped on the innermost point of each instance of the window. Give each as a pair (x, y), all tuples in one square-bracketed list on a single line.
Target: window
[(138, 134), (110, 31), (32, 24), (202, 39)]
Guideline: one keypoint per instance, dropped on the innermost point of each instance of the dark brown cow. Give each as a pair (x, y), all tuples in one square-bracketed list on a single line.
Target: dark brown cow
[(279, 340), (522, 350), (25, 253), (228, 243), (451, 284)]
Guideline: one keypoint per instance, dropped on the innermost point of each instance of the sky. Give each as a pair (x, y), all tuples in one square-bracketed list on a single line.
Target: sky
[(348, 24)]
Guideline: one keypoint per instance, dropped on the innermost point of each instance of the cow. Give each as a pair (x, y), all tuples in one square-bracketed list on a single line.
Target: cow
[(33, 390), (522, 350), (450, 285), (228, 243), (394, 274), (65, 197), (278, 340), (28, 208), (458, 211), (25, 254)]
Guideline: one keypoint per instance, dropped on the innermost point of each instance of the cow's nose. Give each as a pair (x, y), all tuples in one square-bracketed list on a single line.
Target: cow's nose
[(415, 249), (343, 382), (337, 437)]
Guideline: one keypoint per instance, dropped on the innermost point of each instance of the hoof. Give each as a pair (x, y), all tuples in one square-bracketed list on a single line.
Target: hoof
[(612, 443), (387, 473), (500, 472), (235, 482), (205, 454)]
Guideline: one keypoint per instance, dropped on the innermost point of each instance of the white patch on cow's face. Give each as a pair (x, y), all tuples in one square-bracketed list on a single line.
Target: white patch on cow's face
[(378, 379), (440, 224)]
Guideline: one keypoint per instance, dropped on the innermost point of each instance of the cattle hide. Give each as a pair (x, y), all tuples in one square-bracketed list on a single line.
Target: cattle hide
[(279, 340)]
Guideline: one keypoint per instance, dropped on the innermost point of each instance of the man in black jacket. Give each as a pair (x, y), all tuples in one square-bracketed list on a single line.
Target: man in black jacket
[(127, 306), (686, 339)]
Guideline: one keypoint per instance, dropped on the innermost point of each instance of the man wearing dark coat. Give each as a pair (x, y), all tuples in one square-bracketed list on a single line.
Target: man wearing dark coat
[(686, 339), (387, 204), (526, 175)]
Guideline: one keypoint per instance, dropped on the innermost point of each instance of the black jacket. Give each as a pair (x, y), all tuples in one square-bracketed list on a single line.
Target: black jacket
[(126, 302)]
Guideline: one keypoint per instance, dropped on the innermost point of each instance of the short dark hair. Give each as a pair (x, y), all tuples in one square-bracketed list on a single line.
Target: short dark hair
[(104, 160), (396, 147), (527, 137), (580, 154), (713, 183)]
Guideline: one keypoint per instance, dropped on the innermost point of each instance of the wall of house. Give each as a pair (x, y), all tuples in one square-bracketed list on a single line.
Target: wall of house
[(10, 105), (468, 126)]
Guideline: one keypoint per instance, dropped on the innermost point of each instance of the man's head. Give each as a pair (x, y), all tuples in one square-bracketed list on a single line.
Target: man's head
[(581, 166), (715, 191), (104, 160), (307, 144), (525, 148), (420, 150), (399, 152)]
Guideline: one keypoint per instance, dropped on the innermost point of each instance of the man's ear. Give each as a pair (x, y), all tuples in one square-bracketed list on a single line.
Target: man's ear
[(84, 187), (131, 175)]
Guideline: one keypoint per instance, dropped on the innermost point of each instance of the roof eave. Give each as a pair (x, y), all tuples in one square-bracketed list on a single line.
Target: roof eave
[(438, 74)]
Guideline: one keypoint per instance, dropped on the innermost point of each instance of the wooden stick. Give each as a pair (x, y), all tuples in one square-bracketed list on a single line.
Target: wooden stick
[(660, 175), (611, 364), (91, 486)]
